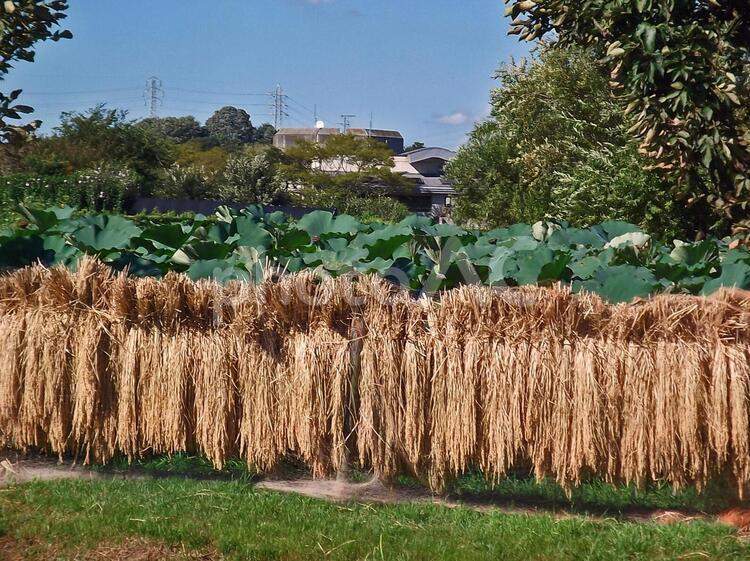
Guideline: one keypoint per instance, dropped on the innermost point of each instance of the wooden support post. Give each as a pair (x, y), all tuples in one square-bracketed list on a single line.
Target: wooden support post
[(357, 332)]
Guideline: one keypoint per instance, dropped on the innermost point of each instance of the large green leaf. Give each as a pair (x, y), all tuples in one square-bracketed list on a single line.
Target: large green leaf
[(733, 275), (585, 268), (201, 251), (615, 228), (383, 243), (62, 251), (111, 232), (293, 240), (45, 219), (444, 230), (621, 283), (171, 236), (321, 223), (694, 254), (217, 269), (252, 234), (498, 264), (573, 237), (538, 265)]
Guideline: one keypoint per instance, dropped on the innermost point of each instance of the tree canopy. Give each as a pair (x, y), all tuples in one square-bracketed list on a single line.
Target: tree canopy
[(178, 129), (84, 140), (680, 69), (231, 125), (346, 172), (252, 178), (264, 134), (23, 23), (556, 145)]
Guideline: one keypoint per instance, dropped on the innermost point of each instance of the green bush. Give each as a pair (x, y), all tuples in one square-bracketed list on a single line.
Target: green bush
[(187, 182), (104, 188)]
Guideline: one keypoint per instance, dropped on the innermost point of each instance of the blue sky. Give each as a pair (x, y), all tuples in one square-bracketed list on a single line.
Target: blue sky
[(423, 67)]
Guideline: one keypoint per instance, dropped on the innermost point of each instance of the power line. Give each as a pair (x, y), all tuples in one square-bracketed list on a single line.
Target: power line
[(215, 103), (302, 105), (298, 121), (204, 92), (88, 92), (153, 95)]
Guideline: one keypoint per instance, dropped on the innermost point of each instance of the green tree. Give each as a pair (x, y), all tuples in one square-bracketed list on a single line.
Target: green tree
[(195, 153), (414, 146), (556, 145), (349, 173), (264, 134), (99, 135), (187, 182), (23, 23), (177, 129), (253, 178), (680, 69), (231, 126)]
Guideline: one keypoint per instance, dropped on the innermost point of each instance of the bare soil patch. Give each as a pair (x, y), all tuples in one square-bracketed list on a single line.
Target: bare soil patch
[(16, 468)]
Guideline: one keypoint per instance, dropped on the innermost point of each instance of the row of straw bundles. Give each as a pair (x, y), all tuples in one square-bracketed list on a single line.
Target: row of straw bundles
[(98, 364)]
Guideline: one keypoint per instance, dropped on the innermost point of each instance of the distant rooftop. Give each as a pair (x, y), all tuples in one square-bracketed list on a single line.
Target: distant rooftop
[(310, 131), (380, 133), (428, 153)]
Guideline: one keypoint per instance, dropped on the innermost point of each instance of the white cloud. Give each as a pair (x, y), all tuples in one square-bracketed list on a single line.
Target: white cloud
[(455, 119)]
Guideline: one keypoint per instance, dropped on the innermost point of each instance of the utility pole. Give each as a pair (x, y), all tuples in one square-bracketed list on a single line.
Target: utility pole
[(153, 95), (279, 107), (346, 121)]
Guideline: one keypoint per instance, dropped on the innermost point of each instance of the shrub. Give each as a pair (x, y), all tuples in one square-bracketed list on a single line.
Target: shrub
[(251, 179), (373, 207), (187, 182), (106, 187)]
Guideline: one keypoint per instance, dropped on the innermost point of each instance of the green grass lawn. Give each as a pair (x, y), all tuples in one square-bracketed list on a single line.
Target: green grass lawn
[(518, 489), (237, 522)]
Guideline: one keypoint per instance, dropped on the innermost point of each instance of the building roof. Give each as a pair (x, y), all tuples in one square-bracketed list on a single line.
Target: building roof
[(309, 131), (433, 185), (375, 132), (356, 132), (422, 154)]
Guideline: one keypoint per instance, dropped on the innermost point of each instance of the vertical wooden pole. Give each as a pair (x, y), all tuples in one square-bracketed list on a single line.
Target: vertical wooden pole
[(351, 398)]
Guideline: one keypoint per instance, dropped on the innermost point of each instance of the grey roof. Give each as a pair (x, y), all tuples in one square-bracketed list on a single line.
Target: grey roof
[(309, 132), (436, 185), (422, 154), (375, 132)]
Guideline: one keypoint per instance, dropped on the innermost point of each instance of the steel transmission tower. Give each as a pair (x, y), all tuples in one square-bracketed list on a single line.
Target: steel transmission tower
[(153, 95), (279, 107)]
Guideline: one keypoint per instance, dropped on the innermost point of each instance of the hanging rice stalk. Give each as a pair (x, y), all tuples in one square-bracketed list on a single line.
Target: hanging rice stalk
[(99, 364)]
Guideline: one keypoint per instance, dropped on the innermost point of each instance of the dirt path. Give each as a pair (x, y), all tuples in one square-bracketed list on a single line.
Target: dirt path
[(17, 469)]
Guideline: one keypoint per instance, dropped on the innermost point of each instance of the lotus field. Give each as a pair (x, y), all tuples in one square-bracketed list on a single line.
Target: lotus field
[(614, 259)]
